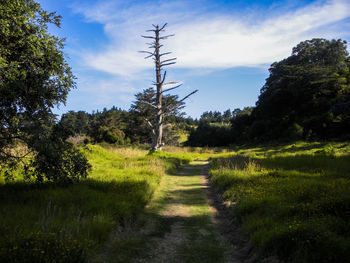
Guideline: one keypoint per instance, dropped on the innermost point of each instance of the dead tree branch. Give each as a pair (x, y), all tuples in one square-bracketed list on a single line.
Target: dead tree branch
[(158, 105), (178, 86)]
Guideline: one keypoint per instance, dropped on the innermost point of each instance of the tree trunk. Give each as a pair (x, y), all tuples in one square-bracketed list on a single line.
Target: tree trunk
[(157, 142), (161, 110)]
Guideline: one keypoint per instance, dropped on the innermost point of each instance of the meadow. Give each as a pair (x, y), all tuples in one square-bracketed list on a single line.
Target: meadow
[(66, 223), (293, 200)]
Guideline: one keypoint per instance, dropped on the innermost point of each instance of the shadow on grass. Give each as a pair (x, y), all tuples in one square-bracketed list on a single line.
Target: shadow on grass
[(77, 216), (303, 165), (91, 210), (335, 166), (193, 197), (189, 238), (289, 209), (169, 239), (83, 192), (180, 236), (294, 148), (189, 170), (284, 147)]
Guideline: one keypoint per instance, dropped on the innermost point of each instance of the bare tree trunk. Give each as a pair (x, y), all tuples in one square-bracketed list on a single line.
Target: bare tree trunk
[(157, 127), (157, 144)]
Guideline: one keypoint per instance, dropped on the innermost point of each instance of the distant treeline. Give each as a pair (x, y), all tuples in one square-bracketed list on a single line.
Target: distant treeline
[(117, 126), (306, 96)]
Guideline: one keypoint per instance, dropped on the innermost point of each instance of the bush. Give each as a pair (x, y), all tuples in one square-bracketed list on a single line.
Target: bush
[(110, 135)]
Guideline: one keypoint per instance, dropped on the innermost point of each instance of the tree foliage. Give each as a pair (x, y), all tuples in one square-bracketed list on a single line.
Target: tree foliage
[(210, 134), (121, 127), (308, 89), (217, 116), (142, 109), (34, 77), (306, 96)]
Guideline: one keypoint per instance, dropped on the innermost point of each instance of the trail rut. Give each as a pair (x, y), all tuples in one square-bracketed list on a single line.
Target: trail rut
[(182, 223)]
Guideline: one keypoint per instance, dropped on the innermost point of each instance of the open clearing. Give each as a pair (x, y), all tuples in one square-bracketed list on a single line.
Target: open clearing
[(289, 201), (178, 225)]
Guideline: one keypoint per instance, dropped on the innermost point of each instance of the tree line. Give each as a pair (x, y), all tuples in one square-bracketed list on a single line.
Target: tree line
[(122, 127), (125, 127), (35, 77), (306, 96)]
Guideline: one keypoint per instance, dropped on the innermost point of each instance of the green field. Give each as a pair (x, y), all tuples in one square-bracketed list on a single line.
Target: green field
[(64, 223), (293, 200)]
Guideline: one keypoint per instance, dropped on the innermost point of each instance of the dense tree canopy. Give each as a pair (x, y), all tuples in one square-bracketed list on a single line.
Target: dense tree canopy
[(306, 96), (306, 89), (34, 77), (121, 127)]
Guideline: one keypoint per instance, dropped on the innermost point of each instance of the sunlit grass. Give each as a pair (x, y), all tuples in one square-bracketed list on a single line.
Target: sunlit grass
[(198, 153), (293, 200), (50, 217)]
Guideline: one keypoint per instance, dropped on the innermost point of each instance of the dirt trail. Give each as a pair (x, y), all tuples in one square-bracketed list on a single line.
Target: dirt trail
[(181, 224)]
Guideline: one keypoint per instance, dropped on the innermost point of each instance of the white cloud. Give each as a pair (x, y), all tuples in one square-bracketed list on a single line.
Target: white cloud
[(106, 91), (204, 39)]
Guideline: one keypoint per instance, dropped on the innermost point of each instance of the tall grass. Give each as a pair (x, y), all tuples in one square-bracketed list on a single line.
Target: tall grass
[(49, 222), (198, 153), (294, 203)]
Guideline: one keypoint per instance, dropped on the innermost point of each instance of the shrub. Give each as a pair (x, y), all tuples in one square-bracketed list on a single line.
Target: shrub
[(110, 135)]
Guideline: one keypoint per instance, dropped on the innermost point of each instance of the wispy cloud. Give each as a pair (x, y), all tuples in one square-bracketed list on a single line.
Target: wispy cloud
[(206, 39), (105, 91)]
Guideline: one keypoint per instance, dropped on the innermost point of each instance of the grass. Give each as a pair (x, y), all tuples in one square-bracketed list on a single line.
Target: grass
[(293, 200), (176, 225), (48, 222), (198, 153)]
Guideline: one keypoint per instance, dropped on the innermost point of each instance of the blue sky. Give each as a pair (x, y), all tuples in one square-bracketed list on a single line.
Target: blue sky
[(223, 48)]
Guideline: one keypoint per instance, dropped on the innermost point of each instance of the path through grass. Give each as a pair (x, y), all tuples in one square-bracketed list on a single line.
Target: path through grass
[(177, 225), (51, 222)]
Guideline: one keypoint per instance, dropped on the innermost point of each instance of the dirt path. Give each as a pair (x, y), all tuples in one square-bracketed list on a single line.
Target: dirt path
[(178, 225)]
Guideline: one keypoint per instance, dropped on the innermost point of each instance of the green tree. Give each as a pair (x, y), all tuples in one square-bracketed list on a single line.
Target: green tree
[(78, 122), (210, 134), (240, 124), (310, 89), (145, 113), (109, 125), (227, 115), (34, 77)]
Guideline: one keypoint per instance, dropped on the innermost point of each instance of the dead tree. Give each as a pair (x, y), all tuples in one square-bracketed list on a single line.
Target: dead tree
[(160, 109)]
